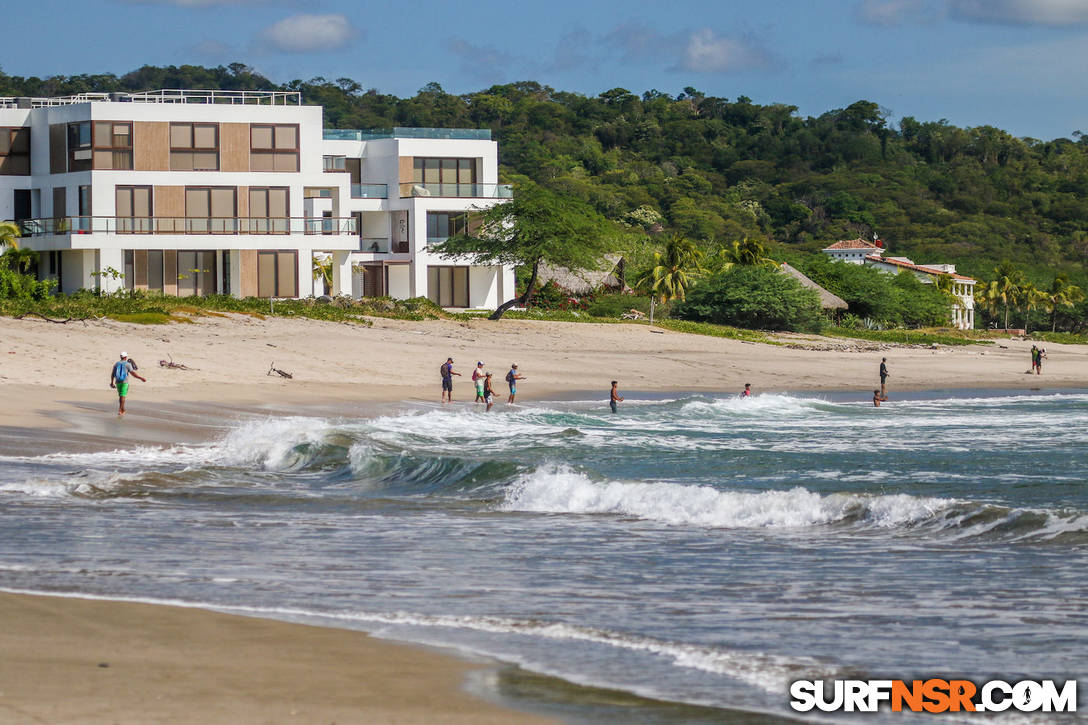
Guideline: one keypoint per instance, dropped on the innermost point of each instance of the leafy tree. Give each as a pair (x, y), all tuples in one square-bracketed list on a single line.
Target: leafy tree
[(1060, 294), (673, 271), (1001, 291), (536, 226), (745, 253), (753, 297)]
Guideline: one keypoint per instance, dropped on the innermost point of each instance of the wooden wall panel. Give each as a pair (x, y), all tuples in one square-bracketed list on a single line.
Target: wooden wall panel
[(139, 269), (243, 203), (58, 148), (407, 169), (170, 272), (169, 202), (248, 272), (151, 146), (234, 147)]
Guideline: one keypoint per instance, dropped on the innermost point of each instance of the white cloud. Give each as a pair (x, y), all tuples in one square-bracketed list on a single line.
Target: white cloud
[(890, 13), (1022, 12), (707, 52), (308, 33)]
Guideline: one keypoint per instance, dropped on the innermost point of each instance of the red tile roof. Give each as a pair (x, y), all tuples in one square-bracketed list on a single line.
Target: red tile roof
[(916, 267), (854, 244)]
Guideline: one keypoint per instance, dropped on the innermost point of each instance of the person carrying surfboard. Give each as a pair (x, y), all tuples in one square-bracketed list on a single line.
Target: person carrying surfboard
[(119, 380)]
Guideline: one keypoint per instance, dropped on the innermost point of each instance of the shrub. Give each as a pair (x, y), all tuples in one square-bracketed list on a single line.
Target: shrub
[(615, 304), (754, 298)]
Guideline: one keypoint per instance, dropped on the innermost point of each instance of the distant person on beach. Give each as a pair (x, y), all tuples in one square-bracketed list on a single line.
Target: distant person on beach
[(1034, 359), (877, 398), (512, 379), (478, 379), (883, 377), (747, 392), (1039, 361), (614, 397), (119, 379), (489, 392), (447, 380)]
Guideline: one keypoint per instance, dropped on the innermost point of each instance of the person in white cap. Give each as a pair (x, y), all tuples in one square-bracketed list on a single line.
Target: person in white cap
[(478, 376), (119, 379)]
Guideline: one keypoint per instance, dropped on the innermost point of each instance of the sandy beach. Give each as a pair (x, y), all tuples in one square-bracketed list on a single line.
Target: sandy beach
[(70, 660)]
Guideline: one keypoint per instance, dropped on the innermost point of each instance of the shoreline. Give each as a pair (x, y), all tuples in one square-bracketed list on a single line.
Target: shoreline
[(54, 383)]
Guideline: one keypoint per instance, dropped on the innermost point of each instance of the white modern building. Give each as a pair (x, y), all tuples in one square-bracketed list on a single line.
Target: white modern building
[(871, 254), (235, 192)]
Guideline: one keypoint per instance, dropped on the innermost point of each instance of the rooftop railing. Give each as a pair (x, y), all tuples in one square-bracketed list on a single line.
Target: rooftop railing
[(186, 225), (459, 191), (347, 134), (165, 95)]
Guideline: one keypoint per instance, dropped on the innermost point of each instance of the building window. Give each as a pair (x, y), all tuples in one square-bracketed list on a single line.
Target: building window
[(133, 209), (211, 210), (99, 145), (335, 163), (444, 224), (14, 151), (269, 210), (454, 172), (448, 286), (277, 273), (273, 147), (194, 147), (196, 273)]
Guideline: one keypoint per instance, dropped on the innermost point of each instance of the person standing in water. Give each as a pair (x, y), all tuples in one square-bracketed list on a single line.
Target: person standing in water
[(883, 377), (512, 379), (447, 380), (877, 398), (614, 397), (119, 380), (489, 392), (747, 392), (478, 380)]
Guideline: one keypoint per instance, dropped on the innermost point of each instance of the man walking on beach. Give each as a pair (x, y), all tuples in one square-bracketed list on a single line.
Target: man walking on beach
[(512, 379), (119, 379), (489, 392), (883, 377), (447, 380), (478, 380), (614, 398)]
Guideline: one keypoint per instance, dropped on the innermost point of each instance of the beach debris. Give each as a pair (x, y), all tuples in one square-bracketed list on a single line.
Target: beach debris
[(58, 321), (173, 365), (633, 314), (283, 374)]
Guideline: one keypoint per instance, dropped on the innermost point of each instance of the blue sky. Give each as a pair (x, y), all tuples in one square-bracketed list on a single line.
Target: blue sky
[(1016, 64)]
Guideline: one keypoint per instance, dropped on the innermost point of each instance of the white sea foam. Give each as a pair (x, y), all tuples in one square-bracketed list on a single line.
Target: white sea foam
[(559, 489)]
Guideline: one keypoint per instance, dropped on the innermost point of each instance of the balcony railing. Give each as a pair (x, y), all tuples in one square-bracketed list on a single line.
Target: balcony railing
[(186, 225), (382, 245), (370, 191), (351, 134), (470, 191)]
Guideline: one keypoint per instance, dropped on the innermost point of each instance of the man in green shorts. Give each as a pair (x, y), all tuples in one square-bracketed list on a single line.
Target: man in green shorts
[(119, 379)]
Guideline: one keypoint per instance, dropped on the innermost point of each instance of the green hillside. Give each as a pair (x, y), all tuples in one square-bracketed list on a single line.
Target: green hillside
[(718, 169)]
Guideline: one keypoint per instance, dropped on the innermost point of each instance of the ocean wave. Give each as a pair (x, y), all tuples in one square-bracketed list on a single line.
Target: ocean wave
[(560, 489)]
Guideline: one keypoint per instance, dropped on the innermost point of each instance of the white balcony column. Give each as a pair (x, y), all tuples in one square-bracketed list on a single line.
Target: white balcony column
[(235, 272), (418, 277), (306, 283), (341, 274), (110, 259)]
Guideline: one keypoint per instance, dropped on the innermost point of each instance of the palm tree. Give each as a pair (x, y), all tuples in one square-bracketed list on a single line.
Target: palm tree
[(9, 235), (15, 257), (674, 270), (1004, 287), (1060, 294), (322, 270), (1028, 298), (745, 253)]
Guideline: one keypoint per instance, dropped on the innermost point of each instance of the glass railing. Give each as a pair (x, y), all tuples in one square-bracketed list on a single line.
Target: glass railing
[(370, 134), (375, 245), (370, 191), (473, 191), (187, 225)]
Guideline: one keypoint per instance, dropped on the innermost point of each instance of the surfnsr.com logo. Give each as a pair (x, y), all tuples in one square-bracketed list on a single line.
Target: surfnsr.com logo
[(933, 695)]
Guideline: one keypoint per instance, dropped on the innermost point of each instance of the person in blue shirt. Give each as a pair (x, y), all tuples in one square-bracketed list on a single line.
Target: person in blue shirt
[(119, 379), (447, 380)]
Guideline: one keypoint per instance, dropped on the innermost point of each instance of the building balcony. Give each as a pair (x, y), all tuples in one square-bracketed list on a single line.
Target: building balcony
[(382, 245), (458, 191), (64, 226), (370, 191), (351, 134)]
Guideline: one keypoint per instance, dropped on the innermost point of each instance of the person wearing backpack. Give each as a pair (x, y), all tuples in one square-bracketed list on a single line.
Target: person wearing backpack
[(447, 380), (512, 379), (119, 379)]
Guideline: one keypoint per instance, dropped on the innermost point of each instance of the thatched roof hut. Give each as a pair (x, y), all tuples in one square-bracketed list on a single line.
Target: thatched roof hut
[(828, 301), (612, 274)]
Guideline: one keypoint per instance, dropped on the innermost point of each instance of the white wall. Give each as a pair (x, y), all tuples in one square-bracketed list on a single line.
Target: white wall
[(400, 284)]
